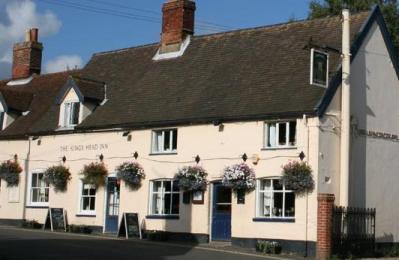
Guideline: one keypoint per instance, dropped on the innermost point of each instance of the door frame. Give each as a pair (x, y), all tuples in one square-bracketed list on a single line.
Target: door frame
[(112, 175), (212, 196)]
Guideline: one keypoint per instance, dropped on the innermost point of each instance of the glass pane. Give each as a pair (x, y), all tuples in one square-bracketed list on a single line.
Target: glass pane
[(92, 192), (156, 204), (175, 186), (167, 202), (223, 209), (157, 145), (85, 203), (277, 185), (1, 120), (271, 138), (319, 68), (157, 186), (223, 195), (92, 203), (75, 113), (265, 185), (292, 137), (166, 143), (85, 191), (67, 113), (289, 204), (35, 195), (175, 203), (278, 204), (264, 206), (282, 133), (174, 140), (34, 180), (168, 186)]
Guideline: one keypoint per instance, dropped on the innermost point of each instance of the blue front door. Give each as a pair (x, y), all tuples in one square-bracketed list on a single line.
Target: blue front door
[(221, 214), (112, 211)]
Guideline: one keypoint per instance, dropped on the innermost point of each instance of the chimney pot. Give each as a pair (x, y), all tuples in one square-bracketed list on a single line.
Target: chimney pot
[(27, 56), (177, 23)]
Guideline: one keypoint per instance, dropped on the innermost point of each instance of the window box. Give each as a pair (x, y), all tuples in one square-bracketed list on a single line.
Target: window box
[(280, 135), (274, 201), (164, 198), (164, 141)]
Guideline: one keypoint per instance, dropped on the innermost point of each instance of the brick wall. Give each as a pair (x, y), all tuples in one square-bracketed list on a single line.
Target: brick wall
[(324, 225), (27, 59), (177, 21)]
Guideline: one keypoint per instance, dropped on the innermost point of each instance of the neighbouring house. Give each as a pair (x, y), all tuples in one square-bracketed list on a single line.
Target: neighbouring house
[(260, 96)]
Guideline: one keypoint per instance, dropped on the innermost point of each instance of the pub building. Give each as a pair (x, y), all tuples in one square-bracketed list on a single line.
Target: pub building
[(255, 100)]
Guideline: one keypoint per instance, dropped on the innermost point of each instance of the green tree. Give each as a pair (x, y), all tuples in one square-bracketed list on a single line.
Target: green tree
[(389, 9)]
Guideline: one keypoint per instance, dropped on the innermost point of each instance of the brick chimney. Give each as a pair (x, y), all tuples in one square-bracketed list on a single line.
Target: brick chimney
[(27, 56), (177, 23)]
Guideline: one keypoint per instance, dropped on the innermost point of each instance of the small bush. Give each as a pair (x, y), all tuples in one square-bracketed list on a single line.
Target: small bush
[(157, 236), (31, 224), (268, 247), (82, 229)]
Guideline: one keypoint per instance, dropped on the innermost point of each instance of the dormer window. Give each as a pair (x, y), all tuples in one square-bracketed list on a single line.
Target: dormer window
[(2, 119), (319, 68), (71, 114)]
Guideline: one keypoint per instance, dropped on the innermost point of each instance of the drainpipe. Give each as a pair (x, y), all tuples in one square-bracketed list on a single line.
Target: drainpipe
[(25, 188), (345, 110)]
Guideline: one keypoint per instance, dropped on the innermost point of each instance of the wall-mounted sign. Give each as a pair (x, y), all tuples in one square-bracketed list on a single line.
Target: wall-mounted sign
[(82, 148), (378, 135)]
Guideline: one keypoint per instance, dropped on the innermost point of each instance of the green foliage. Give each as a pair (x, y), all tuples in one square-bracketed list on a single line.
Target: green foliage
[(58, 176), (94, 173), (298, 177), (34, 224), (389, 9), (132, 173), (268, 247)]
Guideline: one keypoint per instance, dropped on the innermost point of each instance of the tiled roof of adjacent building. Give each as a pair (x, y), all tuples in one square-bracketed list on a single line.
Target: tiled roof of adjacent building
[(247, 74)]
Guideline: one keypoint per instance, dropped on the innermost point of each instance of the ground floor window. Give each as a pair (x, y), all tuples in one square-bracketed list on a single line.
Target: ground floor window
[(39, 189), (88, 199), (274, 200), (165, 198)]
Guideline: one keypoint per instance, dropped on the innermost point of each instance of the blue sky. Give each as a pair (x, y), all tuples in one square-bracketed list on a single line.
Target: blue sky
[(71, 32)]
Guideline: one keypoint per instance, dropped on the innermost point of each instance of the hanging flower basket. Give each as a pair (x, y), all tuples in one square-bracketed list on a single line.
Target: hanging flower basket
[(192, 178), (9, 171), (132, 173), (58, 176), (94, 173), (239, 177), (298, 177)]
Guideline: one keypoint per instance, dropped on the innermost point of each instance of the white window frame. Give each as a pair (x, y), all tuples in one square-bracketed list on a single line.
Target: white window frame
[(3, 124), (277, 145), (63, 114), (311, 68), (162, 192), (31, 202), (80, 203), (154, 148), (258, 199)]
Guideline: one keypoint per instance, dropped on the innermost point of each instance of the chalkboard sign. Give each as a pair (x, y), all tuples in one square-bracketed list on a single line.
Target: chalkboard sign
[(130, 226), (55, 219)]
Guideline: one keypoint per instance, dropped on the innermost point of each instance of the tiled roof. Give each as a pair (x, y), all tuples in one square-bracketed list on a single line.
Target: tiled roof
[(248, 74)]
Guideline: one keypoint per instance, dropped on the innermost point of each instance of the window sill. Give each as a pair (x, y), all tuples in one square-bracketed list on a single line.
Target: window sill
[(162, 217), (65, 128), (36, 207), (279, 220), (85, 215), (279, 148), (168, 153)]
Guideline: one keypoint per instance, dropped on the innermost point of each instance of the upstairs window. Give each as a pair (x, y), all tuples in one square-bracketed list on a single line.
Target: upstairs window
[(2, 119), (164, 141), (280, 134), (71, 114), (319, 68)]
